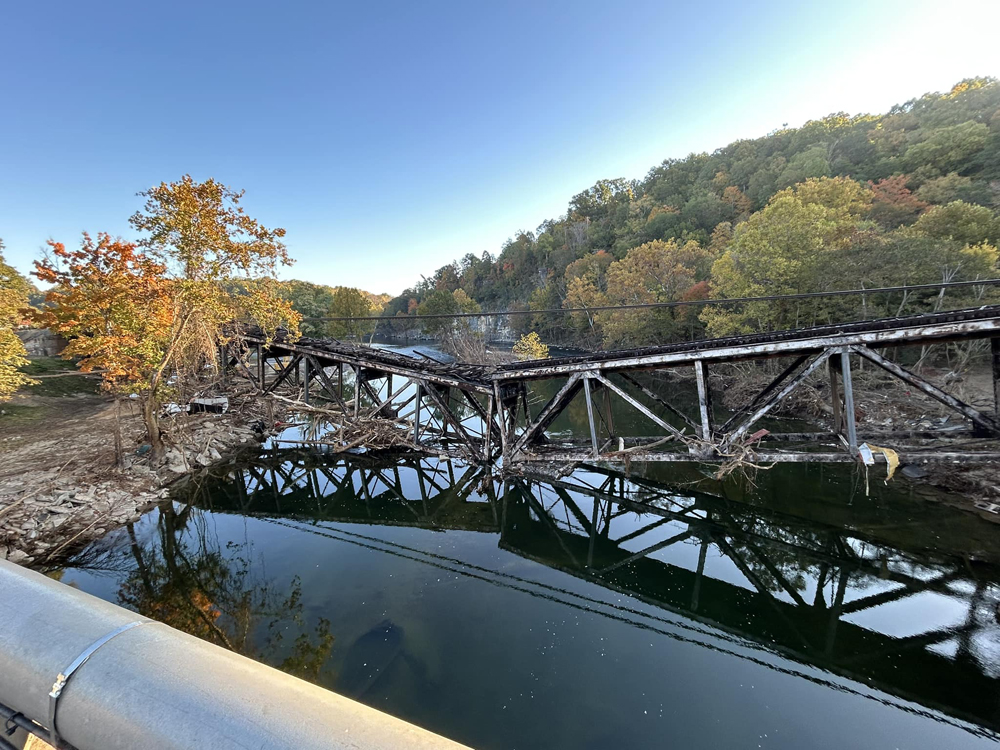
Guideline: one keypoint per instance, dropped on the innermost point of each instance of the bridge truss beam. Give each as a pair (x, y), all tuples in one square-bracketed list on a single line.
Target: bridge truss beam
[(482, 413)]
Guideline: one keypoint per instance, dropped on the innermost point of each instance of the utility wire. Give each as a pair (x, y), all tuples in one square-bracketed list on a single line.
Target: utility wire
[(679, 303), (14, 718)]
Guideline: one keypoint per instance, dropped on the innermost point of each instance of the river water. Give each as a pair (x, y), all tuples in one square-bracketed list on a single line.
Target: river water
[(659, 609)]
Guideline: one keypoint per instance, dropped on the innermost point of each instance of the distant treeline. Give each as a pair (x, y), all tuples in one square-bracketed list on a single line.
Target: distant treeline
[(843, 202), (319, 301)]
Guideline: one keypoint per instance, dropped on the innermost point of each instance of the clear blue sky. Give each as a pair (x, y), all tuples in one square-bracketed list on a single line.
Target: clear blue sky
[(391, 138)]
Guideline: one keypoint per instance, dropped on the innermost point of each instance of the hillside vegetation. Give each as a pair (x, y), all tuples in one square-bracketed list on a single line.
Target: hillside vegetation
[(843, 202), (320, 301)]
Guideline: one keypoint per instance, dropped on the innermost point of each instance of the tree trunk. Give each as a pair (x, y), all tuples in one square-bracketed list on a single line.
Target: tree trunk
[(119, 449), (152, 421), (140, 562)]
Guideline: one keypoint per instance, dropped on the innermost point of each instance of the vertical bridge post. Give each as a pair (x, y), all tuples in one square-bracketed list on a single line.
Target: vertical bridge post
[(704, 400), (488, 430), (357, 391), (849, 421), (835, 403), (590, 416), (260, 366), (995, 352), (306, 375), (416, 414)]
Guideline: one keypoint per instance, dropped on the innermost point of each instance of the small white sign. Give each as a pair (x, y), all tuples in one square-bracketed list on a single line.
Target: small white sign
[(866, 454)]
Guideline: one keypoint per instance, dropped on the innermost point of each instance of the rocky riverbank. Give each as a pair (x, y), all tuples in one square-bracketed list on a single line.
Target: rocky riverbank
[(60, 483)]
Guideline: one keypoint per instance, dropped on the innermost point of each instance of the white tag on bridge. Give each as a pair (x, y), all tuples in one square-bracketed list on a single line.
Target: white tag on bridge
[(866, 454)]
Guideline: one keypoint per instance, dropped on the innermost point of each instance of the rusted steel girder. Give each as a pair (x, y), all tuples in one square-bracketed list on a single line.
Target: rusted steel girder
[(316, 370), (509, 428), (291, 367), (916, 456), (958, 325)]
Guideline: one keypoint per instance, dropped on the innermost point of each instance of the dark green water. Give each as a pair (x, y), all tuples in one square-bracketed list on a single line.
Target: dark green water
[(597, 611)]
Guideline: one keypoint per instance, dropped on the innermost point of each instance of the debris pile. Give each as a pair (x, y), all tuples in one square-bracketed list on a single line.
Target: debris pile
[(372, 434)]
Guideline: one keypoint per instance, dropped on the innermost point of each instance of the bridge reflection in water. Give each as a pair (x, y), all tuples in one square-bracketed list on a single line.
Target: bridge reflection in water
[(857, 609), (809, 592)]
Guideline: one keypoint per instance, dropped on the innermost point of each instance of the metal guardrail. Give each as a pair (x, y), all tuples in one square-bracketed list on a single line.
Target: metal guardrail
[(156, 688)]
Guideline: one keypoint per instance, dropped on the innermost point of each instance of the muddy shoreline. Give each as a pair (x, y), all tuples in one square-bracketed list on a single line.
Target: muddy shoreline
[(60, 486)]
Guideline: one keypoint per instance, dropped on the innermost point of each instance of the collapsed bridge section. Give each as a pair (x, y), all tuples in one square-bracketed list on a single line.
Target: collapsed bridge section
[(439, 404), (485, 412)]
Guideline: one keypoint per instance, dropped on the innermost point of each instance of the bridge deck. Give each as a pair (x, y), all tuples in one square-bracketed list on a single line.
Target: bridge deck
[(968, 323), (976, 322), (384, 360)]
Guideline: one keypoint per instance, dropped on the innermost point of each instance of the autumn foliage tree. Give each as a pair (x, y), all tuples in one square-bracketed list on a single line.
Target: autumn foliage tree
[(200, 232), (893, 203), (114, 305), (530, 346), (654, 272), (13, 298), (651, 273), (158, 310), (222, 264)]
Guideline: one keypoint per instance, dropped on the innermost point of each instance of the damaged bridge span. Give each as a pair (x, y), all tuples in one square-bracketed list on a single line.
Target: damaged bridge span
[(484, 412)]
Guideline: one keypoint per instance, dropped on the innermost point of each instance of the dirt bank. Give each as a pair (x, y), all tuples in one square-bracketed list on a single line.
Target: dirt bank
[(59, 483)]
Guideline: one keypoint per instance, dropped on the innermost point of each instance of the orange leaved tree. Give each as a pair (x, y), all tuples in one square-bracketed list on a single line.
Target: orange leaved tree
[(223, 262), (223, 265), (206, 271), (115, 306)]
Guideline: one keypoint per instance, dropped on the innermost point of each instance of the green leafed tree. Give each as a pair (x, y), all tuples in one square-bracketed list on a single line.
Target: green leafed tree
[(309, 301), (946, 149), (813, 162), (965, 223), (349, 303), (793, 245), (438, 302), (954, 187), (465, 303)]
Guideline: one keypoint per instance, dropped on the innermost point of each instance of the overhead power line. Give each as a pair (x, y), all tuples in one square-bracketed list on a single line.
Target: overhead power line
[(679, 303)]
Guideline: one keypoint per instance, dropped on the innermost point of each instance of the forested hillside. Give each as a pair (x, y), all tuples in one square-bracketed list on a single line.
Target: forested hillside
[(319, 301), (906, 197)]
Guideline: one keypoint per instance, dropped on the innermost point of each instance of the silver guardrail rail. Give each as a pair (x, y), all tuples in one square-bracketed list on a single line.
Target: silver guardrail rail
[(102, 677)]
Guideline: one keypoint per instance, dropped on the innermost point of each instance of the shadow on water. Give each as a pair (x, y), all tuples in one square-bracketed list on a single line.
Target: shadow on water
[(586, 611), (369, 658)]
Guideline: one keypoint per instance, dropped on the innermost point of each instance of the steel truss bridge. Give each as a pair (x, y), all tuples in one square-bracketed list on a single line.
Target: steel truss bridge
[(801, 588), (484, 413)]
